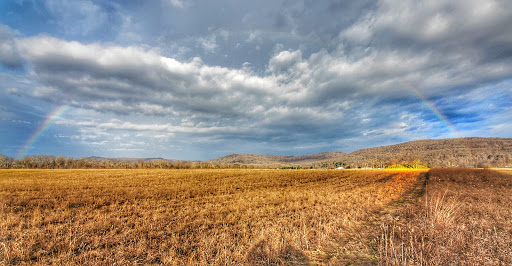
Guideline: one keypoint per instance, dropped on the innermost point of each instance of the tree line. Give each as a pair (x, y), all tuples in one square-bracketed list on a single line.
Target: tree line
[(61, 162)]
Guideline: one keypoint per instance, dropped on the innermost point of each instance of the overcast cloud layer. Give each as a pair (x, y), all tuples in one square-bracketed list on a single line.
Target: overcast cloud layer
[(202, 79)]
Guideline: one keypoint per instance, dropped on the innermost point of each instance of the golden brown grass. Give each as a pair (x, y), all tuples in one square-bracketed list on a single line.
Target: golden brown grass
[(196, 216), (463, 218)]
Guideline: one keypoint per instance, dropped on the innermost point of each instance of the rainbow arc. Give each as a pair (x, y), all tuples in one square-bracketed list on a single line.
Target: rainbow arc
[(438, 113), (49, 120)]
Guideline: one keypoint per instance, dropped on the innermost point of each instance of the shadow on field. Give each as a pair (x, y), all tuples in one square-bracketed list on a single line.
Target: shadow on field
[(262, 253)]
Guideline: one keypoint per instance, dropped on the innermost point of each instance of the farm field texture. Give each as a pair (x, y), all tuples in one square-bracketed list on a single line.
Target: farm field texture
[(192, 216), (228, 216), (464, 217)]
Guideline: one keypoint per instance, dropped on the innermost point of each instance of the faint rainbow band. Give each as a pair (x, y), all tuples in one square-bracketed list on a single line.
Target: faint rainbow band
[(49, 120), (437, 113)]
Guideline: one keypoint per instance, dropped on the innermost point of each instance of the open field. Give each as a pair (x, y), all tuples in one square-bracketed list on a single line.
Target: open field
[(255, 216), (191, 216)]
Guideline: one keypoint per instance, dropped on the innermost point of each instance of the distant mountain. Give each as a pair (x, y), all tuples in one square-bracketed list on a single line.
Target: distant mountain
[(464, 152)]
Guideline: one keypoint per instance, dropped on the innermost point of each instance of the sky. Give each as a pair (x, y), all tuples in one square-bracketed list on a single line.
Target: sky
[(196, 80)]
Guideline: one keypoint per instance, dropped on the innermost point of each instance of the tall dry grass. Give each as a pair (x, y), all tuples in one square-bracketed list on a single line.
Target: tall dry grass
[(463, 218), (194, 217)]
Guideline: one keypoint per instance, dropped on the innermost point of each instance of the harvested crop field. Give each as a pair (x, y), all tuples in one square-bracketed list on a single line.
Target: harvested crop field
[(193, 216), (255, 217), (463, 218)]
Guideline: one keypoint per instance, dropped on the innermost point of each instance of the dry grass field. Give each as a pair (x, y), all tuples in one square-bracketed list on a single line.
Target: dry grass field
[(193, 216), (255, 217), (463, 218)]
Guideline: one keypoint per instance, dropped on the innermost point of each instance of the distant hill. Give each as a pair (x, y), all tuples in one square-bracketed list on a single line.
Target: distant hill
[(463, 152), (276, 159)]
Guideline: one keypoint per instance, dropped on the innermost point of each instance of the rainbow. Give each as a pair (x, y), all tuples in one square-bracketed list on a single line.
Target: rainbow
[(50, 118), (438, 114)]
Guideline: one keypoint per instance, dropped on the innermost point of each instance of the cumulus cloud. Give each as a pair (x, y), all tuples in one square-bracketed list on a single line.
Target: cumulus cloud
[(130, 79), (460, 27), (284, 60)]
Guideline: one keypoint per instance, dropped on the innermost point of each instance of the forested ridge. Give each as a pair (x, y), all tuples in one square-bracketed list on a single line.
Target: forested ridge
[(461, 152)]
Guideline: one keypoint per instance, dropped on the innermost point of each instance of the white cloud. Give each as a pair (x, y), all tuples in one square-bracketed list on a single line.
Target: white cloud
[(431, 21), (284, 60), (168, 130), (129, 79)]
